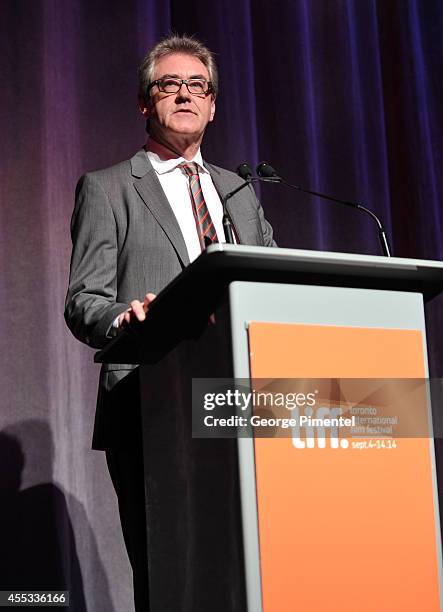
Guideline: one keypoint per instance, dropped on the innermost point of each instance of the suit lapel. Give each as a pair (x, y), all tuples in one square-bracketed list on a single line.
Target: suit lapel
[(150, 190)]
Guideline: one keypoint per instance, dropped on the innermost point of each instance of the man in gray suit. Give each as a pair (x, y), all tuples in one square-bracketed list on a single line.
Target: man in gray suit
[(135, 227)]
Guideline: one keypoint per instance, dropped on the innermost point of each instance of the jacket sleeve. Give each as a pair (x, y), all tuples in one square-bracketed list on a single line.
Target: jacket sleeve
[(266, 227), (91, 305)]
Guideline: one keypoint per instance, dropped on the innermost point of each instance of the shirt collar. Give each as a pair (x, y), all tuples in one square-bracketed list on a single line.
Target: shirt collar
[(163, 160)]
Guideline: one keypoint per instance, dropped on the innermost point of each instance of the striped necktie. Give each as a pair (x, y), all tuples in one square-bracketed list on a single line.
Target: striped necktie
[(205, 227)]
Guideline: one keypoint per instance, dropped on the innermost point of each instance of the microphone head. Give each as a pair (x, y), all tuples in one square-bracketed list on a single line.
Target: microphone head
[(244, 171), (265, 170)]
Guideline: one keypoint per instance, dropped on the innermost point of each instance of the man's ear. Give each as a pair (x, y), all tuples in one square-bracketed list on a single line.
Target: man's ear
[(212, 108), (144, 106)]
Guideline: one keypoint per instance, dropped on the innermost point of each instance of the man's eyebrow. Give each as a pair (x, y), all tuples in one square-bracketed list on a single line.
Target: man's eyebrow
[(178, 76)]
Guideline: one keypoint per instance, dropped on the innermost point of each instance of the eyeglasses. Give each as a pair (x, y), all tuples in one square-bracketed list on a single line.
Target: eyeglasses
[(196, 87)]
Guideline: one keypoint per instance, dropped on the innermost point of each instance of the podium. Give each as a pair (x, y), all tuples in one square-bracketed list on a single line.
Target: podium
[(276, 524)]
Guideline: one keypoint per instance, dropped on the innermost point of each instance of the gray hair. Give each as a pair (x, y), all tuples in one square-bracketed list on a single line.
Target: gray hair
[(176, 43)]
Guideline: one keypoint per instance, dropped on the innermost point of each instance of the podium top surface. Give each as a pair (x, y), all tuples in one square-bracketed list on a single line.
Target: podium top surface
[(301, 259), (199, 288)]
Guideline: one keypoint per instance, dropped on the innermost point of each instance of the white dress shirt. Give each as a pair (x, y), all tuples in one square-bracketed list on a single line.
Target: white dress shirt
[(175, 184)]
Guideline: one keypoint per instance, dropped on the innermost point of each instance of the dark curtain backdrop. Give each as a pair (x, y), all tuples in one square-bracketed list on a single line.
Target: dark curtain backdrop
[(343, 96)]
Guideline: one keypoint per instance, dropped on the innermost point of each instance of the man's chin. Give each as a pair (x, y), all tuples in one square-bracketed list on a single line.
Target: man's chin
[(184, 126)]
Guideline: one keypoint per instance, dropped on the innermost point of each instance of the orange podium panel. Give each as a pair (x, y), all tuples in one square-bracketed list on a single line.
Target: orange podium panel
[(353, 528)]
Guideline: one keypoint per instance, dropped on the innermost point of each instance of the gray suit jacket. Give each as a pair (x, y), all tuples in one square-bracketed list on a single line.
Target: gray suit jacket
[(126, 242)]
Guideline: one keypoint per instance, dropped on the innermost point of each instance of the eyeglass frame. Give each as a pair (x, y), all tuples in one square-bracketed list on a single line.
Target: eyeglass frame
[(182, 82)]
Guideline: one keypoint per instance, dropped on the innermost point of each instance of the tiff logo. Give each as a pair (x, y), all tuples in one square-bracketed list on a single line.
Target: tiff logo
[(315, 424)]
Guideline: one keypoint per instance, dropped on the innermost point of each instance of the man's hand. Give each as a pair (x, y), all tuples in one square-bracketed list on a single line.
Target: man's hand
[(137, 310)]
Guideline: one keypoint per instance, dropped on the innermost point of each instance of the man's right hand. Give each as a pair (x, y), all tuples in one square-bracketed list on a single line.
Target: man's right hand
[(137, 310)]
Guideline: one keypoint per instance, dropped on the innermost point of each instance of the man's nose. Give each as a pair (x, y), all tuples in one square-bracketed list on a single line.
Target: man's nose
[(183, 92)]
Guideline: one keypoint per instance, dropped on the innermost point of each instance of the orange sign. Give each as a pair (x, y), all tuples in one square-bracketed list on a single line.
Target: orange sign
[(346, 529)]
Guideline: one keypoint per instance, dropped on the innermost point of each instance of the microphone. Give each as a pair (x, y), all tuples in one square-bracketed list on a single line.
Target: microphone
[(245, 172), (267, 173)]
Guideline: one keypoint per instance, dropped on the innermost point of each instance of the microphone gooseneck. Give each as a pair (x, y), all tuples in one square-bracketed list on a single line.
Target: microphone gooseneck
[(245, 172), (268, 174)]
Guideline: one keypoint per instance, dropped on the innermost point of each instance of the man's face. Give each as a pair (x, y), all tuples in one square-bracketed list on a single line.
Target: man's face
[(179, 113)]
